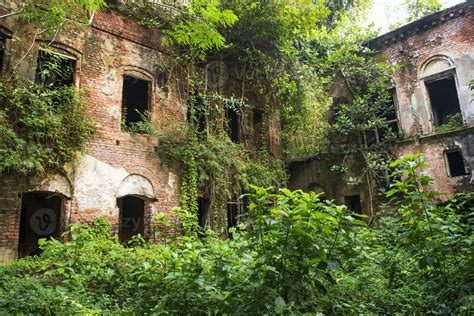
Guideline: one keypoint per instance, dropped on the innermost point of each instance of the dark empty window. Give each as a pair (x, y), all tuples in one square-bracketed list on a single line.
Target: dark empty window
[(132, 211), (203, 208), (257, 117), (135, 100), (444, 99), (353, 203), (389, 113), (233, 125), (54, 70), (196, 113), (455, 162), (232, 214), (2, 51)]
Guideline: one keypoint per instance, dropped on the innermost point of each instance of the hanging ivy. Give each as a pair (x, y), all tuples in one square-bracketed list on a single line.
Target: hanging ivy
[(40, 127)]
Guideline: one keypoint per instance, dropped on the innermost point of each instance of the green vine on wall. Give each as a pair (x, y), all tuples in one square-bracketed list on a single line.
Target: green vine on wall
[(40, 127), (212, 165)]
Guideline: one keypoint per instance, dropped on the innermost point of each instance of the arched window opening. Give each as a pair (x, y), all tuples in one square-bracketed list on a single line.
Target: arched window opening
[(136, 96), (39, 218), (439, 76), (132, 215), (444, 99)]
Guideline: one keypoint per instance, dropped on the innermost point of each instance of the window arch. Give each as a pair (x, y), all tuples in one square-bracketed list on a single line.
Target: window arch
[(136, 184), (435, 64), (137, 96), (57, 65), (438, 74), (134, 194)]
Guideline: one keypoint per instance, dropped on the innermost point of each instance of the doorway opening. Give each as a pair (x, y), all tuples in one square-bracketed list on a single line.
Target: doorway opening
[(353, 203), (39, 218), (132, 215)]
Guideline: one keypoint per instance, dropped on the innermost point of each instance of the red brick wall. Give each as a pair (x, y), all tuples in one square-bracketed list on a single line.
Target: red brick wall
[(113, 46)]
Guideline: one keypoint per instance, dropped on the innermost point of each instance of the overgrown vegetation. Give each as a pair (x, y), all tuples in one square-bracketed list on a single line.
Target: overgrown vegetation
[(454, 122), (40, 127), (276, 58), (213, 165), (146, 124), (43, 123), (294, 254)]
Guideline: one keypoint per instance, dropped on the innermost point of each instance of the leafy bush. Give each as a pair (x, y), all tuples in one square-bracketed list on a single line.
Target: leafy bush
[(146, 125), (40, 127), (293, 254), (454, 122)]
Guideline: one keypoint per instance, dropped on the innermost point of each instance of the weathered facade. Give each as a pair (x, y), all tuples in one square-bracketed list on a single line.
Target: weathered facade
[(120, 174), (436, 55), (117, 165)]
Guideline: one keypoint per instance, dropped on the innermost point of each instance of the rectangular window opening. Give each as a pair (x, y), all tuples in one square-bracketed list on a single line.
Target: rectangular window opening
[(203, 209), (40, 217), (390, 115), (353, 203), (2, 51), (444, 99), (196, 112), (132, 214), (257, 117), (233, 125), (455, 162), (54, 70), (135, 100)]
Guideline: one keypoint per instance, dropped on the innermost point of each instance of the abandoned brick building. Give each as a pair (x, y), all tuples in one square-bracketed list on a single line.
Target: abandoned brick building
[(114, 60), (437, 58)]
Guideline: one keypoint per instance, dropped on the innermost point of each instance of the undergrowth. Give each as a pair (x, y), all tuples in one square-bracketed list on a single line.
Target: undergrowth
[(294, 254)]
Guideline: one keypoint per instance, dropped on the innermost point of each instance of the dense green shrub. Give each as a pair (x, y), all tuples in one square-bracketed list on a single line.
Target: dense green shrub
[(293, 254), (454, 122), (40, 127)]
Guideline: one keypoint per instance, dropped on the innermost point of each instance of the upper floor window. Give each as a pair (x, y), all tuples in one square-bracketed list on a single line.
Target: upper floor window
[(135, 100), (233, 117), (389, 113), (196, 112), (233, 124), (443, 99), (439, 76), (2, 51), (54, 69)]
